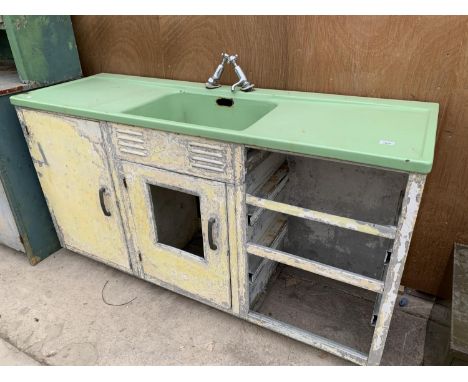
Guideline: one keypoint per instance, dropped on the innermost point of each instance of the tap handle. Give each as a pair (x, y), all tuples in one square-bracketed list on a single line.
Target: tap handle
[(225, 58), (232, 59)]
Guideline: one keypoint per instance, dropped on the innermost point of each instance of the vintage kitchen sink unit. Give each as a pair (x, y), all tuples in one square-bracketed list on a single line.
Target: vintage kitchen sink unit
[(213, 193)]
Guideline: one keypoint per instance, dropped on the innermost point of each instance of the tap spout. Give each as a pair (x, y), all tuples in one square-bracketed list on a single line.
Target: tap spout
[(213, 81), (244, 84)]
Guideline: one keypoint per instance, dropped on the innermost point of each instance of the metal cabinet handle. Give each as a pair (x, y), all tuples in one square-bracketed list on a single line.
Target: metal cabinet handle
[(211, 223), (105, 211)]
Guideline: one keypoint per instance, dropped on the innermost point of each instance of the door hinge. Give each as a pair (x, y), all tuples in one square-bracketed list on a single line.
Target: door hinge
[(124, 181), (139, 256)]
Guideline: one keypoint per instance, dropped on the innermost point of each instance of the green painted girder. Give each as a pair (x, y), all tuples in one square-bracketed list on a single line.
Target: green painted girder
[(43, 48)]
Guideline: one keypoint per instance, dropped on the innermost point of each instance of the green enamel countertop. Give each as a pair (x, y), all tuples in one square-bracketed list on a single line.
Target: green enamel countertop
[(379, 132)]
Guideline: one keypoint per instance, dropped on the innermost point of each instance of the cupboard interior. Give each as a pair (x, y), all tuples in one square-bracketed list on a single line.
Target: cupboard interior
[(363, 193), (177, 219)]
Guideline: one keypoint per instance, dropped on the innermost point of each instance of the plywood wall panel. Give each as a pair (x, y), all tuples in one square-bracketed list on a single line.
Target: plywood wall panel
[(120, 44), (193, 47), (404, 57)]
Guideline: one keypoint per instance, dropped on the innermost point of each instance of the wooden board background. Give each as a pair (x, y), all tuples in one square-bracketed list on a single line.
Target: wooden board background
[(403, 57)]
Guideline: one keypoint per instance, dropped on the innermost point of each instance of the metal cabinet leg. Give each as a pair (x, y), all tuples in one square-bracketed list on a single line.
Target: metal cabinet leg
[(396, 265)]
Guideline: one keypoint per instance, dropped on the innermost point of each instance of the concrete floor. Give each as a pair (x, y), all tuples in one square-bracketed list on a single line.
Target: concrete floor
[(11, 356), (55, 314)]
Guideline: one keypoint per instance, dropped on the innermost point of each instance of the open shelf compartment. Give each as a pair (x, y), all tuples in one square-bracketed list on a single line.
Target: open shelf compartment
[(293, 205)]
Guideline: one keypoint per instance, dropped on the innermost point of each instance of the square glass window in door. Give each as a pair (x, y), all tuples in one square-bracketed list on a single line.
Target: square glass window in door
[(177, 219)]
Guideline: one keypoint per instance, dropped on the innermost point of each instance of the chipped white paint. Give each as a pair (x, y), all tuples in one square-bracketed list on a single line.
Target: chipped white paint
[(187, 155), (273, 238), (315, 267), (411, 202), (234, 243), (121, 197), (131, 142), (242, 257), (9, 234), (271, 190), (322, 217), (388, 289), (207, 156), (133, 137), (260, 174), (308, 338)]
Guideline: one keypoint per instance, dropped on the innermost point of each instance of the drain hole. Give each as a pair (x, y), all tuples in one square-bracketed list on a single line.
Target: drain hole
[(225, 102)]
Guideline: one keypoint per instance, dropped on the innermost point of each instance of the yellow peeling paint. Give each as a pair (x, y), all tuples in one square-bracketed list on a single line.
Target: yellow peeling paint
[(233, 247), (68, 154), (208, 279), (188, 155)]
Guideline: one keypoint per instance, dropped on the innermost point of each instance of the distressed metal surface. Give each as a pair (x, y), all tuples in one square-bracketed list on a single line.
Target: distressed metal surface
[(344, 189), (131, 142), (233, 246), (72, 167), (211, 157), (271, 234), (271, 190), (259, 175), (213, 278), (322, 217), (208, 278), (308, 338), (378, 298), (267, 178), (410, 207), (120, 185), (188, 155), (260, 275), (338, 193), (315, 267), (242, 256), (9, 234), (44, 48)]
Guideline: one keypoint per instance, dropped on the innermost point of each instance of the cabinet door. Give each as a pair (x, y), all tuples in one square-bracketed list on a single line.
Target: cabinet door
[(180, 225), (73, 171)]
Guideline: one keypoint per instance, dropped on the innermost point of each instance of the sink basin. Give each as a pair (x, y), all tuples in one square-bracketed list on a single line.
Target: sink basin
[(204, 110)]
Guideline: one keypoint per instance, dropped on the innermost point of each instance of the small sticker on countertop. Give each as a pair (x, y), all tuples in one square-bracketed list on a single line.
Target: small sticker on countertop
[(386, 142)]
